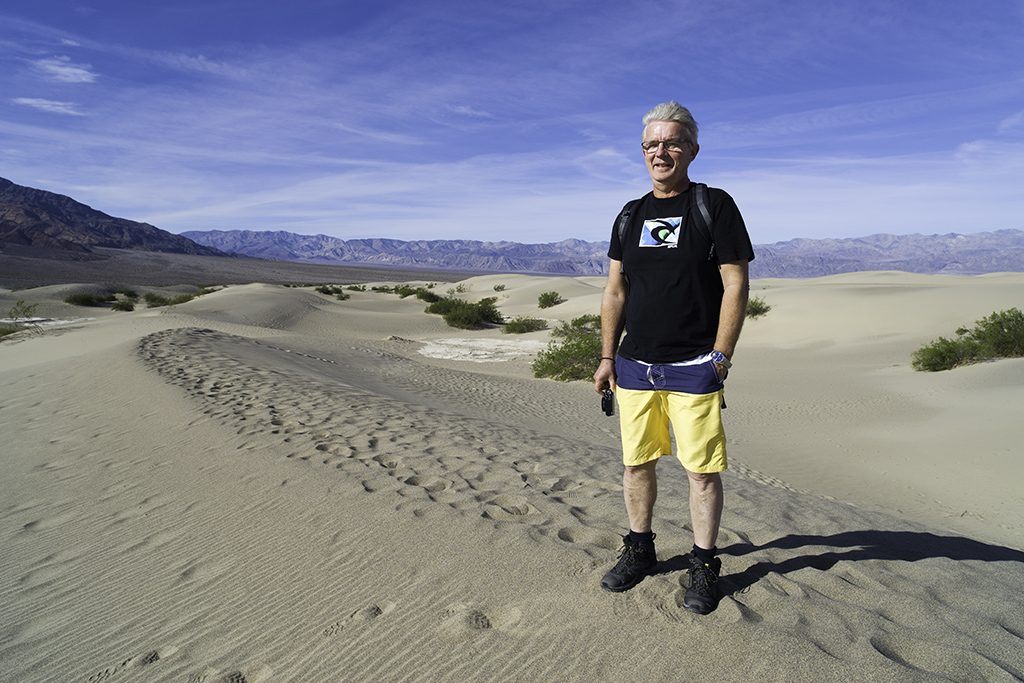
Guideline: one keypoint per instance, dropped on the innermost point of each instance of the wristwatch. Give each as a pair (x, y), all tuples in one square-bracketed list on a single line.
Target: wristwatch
[(719, 358)]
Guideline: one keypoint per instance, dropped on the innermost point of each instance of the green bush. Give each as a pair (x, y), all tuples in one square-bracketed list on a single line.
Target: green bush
[(89, 298), (8, 329), (573, 351), (329, 290), (154, 300), (549, 299), (404, 290), (356, 288), (499, 288), (123, 305), (521, 325), (756, 307), (342, 296), (443, 305), (1000, 335), (426, 295), (467, 315)]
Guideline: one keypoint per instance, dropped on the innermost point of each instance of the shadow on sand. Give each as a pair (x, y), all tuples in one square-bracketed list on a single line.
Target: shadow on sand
[(908, 546)]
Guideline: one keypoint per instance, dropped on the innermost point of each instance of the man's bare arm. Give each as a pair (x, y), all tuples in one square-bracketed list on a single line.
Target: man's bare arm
[(736, 281), (613, 305)]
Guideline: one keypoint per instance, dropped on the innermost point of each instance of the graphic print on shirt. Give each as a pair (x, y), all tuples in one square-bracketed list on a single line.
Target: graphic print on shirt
[(661, 232)]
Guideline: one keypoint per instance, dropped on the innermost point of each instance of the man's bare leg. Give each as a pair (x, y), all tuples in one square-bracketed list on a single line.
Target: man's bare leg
[(640, 490), (706, 499)]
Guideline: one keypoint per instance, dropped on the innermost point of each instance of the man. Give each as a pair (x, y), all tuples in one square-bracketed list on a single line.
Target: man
[(679, 289)]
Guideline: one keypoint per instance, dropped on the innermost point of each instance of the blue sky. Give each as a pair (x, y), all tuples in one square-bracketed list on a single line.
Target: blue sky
[(515, 120)]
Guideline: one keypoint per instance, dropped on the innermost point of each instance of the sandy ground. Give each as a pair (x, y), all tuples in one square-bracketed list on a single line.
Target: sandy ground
[(267, 484)]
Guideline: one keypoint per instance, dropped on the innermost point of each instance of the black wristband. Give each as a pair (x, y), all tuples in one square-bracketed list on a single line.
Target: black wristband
[(607, 358)]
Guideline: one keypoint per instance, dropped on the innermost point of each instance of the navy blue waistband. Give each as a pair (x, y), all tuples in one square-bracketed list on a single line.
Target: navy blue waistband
[(695, 378)]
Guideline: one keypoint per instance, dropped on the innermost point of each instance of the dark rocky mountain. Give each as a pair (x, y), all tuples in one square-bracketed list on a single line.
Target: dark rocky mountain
[(985, 252), (37, 218)]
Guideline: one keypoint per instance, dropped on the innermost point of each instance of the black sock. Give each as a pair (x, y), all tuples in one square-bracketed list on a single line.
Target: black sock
[(701, 554), (641, 537)]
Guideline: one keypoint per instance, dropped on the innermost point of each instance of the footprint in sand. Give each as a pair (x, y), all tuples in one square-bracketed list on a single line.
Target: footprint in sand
[(459, 620), (509, 509), (360, 616), (132, 662)]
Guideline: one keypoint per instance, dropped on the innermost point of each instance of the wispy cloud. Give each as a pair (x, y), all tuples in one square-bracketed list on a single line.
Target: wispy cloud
[(51, 106), (1012, 122), (63, 70)]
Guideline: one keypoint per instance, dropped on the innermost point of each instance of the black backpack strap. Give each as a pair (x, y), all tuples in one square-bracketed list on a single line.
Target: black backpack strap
[(623, 223), (703, 216)]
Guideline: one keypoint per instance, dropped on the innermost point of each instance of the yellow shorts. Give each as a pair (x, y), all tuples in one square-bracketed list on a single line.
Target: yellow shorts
[(696, 420)]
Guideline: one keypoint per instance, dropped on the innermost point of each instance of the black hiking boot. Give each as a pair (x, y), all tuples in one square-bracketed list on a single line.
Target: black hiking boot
[(702, 595), (636, 559)]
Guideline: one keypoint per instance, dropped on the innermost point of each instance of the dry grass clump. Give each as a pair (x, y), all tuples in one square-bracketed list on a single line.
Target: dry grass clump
[(756, 307)]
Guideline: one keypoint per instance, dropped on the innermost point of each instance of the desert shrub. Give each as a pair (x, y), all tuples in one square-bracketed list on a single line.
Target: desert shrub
[(154, 300), (457, 289), (329, 290), (573, 351), (499, 288), (21, 310), (756, 307), (549, 299), (123, 305), (427, 295), (443, 305), (89, 298), (999, 335), (20, 314), (404, 291), (474, 316), (384, 289), (521, 325), (342, 296), (356, 288), (467, 315)]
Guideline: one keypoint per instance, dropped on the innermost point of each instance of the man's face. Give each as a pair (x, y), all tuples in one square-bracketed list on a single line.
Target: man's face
[(668, 163)]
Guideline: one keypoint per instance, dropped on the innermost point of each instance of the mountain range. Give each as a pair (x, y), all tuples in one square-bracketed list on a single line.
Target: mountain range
[(38, 218), (986, 252)]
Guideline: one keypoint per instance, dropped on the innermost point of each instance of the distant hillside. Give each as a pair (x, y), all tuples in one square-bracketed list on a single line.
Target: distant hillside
[(570, 257), (38, 218), (986, 252)]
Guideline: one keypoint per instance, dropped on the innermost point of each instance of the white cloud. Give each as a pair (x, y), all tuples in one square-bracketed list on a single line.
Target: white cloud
[(52, 106), (62, 69), (1012, 122)]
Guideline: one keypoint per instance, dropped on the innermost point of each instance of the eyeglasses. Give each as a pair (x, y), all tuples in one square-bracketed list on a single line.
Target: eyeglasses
[(671, 145)]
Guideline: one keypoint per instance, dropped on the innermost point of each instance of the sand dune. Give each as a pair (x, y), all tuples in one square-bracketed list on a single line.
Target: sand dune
[(267, 484)]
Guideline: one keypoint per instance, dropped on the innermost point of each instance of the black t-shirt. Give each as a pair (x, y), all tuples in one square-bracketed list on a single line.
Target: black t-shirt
[(675, 290)]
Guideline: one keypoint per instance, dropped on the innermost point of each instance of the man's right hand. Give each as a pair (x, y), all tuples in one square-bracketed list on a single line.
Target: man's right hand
[(604, 378)]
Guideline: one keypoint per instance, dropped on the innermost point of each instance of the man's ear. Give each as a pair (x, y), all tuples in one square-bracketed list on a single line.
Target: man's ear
[(695, 148)]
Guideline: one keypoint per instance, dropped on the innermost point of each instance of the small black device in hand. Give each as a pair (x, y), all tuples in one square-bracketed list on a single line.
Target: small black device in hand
[(608, 402)]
